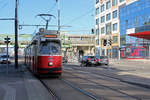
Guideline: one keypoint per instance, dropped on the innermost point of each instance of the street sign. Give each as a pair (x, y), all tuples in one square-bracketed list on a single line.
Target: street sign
[(130, 31)]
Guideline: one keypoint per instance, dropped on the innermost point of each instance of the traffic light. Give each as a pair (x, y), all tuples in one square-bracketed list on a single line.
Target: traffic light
[(7, 40), (104, 42), (92, 31)]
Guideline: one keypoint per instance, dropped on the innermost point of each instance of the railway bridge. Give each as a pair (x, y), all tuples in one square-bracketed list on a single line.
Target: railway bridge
[(73, 46), (76, 46), (23, 41)]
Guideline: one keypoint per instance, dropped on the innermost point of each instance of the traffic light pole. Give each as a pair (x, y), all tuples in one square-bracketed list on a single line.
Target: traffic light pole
[(7, 40), (16, 34), (7, 55)]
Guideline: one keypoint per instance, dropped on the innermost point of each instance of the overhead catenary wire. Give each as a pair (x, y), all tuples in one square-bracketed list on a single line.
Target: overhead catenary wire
[(52, 8), (81, 16), (2, 1), (84, 14), (78, 18), (4, 4)]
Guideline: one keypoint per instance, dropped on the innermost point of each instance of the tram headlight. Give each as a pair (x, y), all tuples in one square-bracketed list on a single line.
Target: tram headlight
[(50, 63)]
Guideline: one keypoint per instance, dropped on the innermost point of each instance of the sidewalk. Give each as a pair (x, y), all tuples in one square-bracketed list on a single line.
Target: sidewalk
[(131, 71), (146, 61), (20, 85)]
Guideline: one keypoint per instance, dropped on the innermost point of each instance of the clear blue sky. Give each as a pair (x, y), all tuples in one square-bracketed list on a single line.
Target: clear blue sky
[(77, 13)]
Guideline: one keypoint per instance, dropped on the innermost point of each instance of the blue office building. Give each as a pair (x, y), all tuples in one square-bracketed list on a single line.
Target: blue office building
[(135, 29)]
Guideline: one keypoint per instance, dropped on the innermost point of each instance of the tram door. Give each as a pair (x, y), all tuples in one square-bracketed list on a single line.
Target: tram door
[(35, 51), (36, 58)]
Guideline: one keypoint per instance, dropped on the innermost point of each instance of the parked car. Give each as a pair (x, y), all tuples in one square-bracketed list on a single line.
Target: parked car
[(3, 59), (102, 60), (88, 60)]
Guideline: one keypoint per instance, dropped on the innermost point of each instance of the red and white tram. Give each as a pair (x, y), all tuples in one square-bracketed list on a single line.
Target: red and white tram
[(43, 54)]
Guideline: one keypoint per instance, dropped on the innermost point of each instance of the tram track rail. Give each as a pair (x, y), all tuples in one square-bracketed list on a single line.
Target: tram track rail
[(121, 80), (55, 97), (77, 87), (80, 90), (45, 83), (116, 90)]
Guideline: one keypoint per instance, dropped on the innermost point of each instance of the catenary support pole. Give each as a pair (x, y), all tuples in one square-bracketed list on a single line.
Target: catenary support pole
[(16, 34), (58, 2)]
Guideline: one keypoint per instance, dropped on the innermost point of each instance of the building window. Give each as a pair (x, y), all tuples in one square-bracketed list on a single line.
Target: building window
[(102, 8), (102, 19), (114, 2), (121, 1), (108, 4), (97, 42), (115, 39), (97, 11), (115, 27), (108, 28), (97, 21), (97, 31), (103, 52), (115, 14), (108, 17), (97, 1), (102, 30)]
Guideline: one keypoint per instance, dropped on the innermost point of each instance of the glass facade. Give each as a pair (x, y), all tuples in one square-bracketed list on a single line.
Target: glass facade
[(132, 18), (134, 15)]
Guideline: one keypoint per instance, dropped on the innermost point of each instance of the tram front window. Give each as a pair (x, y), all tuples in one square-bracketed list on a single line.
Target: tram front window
[(44, 48), (50, 48)]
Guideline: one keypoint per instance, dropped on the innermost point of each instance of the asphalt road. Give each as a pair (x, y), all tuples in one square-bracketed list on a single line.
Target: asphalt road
[(97, 83), (90, 80)]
